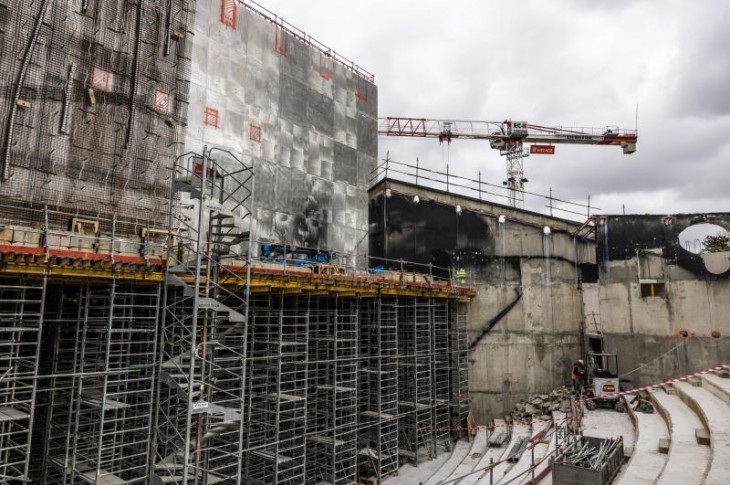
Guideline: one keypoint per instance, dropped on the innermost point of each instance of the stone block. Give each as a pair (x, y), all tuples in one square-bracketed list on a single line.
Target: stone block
[(703, 436), (664, 445)]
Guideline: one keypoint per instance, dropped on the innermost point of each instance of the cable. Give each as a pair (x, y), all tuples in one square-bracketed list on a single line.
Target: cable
[(652, 361)]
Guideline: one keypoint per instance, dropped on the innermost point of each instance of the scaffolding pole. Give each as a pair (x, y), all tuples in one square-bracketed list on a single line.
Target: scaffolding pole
[(21, 323)]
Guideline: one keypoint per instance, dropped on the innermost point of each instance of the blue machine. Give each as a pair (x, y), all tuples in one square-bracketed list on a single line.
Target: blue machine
[(293, 255)]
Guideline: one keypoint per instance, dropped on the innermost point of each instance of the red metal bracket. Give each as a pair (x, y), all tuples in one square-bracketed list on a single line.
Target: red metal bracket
[(228, 13), (281, 41), (254, 133), (211, 117)]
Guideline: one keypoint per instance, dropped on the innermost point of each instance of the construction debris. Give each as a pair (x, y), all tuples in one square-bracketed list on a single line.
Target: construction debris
[(539, 406)]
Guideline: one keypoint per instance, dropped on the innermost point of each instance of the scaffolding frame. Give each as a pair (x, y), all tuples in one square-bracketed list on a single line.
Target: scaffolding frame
[(332, 414), (441, 372), (416, 397), (278, 393), (459, 318), (378, 381), (21, 323), (98, 415)]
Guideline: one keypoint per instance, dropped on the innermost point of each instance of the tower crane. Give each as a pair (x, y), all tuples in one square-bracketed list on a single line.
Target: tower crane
[(509, 137)]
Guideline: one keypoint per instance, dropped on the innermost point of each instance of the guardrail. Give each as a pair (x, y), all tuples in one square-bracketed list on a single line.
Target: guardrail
[(48, 231), (471, 187), (307, 39)]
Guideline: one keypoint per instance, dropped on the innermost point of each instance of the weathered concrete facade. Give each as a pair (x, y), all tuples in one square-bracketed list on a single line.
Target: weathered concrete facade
[(93, 106), (525, 322), (661, 308), (308, 123)]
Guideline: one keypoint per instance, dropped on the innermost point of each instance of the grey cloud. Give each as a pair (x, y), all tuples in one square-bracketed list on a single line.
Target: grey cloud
[(563, 62)]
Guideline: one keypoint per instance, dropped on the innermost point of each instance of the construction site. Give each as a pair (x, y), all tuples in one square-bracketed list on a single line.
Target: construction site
[(208, 277)]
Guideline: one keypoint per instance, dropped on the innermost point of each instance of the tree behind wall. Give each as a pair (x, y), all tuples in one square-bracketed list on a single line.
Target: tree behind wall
[(717, 244)]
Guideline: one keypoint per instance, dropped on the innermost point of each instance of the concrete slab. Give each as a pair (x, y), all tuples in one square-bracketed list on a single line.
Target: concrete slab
[(687, 461), (494, 453), (411, 474), (607, 423), (519, 472), (518, 431), (544, 467), (719, 386), (717, 415), (478, 449), (647, 462), (461, 451)]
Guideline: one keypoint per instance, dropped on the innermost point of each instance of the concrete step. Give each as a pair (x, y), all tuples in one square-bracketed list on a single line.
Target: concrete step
[(411, 474), (478, 448), (608, 423), (492, 453), (646, 462), (519, 431), (715, 413), (519, 470), (687, 461), (718, 385), (461, 451), (546, 454)]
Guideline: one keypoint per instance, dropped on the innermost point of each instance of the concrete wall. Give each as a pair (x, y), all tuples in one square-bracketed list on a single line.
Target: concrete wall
[(645, 330), (525, 321), (318, 140)]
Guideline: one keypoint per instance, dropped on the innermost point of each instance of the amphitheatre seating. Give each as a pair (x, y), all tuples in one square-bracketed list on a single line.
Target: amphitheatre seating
[(715, 414), (646, 463), (492, 453), (609, 423), (478, 449), (420, 474), (687, 461), (518, 431), (461, 451), (519, 472), (688, 416), (719, 386)]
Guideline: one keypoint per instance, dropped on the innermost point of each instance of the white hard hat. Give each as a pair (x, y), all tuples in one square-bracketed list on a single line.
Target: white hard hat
[(580, 361)]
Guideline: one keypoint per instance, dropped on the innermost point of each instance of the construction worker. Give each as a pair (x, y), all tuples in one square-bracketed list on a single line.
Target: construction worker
[(578, 376)]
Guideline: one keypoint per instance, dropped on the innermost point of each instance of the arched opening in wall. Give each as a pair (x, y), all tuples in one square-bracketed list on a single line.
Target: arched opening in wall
[(711, 242), (695, 238)]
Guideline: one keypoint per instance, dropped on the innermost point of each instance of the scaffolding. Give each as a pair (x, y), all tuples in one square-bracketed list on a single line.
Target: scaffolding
[(310, 388), (21, 322), (416, 398), (277, 408), (460, 362), (378, 381), (441, 372), (101, 384), (332, 412), (201, 394)]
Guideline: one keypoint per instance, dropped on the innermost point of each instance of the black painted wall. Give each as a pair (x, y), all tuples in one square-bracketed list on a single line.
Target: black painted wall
[(619, 237), (429, 232)]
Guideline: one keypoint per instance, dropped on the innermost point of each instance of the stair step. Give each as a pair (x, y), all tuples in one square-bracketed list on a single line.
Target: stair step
[(682, 423), (714, 412), (651, 447)]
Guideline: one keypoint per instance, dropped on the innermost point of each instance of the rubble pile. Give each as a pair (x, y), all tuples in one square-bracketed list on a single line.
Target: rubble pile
[(539, 406)]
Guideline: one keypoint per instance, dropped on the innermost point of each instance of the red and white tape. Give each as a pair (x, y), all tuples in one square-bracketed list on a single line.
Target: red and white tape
[(611, 395), (654, 386)]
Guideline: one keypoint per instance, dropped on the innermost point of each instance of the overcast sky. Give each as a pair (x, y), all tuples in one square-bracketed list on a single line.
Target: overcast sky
[(556, 62)]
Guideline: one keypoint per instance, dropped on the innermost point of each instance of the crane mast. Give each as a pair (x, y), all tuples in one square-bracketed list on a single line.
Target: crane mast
[(510, 138)]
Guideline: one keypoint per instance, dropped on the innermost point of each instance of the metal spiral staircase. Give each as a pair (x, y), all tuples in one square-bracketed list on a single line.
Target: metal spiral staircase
[(200, 426)]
